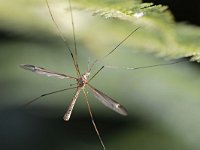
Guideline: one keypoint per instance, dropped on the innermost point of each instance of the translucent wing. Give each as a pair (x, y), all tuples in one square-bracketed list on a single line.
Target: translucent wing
[(108, 102), (44, 71)]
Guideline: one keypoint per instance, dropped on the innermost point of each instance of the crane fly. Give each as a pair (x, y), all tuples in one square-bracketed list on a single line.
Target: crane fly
[(83, 80)]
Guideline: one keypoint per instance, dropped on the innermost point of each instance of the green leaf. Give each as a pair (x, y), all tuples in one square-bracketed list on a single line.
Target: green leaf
[(161, 35)]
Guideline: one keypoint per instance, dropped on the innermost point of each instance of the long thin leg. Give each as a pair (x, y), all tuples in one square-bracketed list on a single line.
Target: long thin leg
[(144, 67), (62, 37), (71, 106), (95, 74), (110, 52), (120, 43), (91, 116), (74, 37), (43, 95)]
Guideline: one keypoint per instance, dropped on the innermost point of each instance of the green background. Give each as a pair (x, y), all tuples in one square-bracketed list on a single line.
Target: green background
[(162, 102)]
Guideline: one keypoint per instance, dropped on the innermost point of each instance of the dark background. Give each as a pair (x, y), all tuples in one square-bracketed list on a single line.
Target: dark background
[(183, 11)]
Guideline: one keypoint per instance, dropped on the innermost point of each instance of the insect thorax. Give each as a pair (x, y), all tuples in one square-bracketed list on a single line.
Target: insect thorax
[(82, 81)]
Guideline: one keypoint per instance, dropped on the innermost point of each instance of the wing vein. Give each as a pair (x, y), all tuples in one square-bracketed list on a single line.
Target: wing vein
[(108, 102), (43, 71)]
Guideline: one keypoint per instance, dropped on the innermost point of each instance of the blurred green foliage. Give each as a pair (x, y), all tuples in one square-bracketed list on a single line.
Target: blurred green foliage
[(167, 38), (163, 102)]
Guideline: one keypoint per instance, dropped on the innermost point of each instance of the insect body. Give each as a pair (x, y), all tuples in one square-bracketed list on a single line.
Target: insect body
[(82, 81)]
